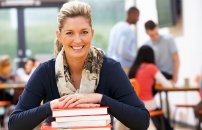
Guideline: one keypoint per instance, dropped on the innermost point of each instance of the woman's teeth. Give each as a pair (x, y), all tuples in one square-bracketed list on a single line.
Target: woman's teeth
[(77, 48)]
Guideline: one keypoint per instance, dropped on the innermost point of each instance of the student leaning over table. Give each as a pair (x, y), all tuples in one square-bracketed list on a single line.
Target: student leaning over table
[(80, 76)]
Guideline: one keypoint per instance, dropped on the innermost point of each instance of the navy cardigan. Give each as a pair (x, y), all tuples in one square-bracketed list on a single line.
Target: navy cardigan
[(118, 94)]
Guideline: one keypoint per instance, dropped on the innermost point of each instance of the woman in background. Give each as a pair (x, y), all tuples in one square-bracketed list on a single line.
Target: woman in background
[(5, 69), (5, 76), (145, 71), (23, 74)]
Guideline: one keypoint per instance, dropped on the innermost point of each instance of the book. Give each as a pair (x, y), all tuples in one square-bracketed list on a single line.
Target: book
[(79, 111), (49, 127), (80, 123), (82, 118)]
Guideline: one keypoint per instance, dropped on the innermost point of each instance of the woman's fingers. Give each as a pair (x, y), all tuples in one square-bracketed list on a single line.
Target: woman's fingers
[(90, 100), (83, 105), (63, 98), (70, 101)]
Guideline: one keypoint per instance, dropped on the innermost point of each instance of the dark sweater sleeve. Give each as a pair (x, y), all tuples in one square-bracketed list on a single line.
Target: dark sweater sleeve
[(124, 103), (28, 112)]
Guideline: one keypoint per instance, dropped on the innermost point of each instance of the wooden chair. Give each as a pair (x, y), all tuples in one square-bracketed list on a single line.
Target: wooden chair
[(135, 84), (2, 104), (5, 103)]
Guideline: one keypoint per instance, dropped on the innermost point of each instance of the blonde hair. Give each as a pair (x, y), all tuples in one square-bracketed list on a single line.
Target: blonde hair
[(4, 61), (69, 10)]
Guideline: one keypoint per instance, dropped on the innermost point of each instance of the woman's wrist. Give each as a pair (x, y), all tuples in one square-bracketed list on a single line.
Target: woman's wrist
[(53, 104), (99, 97)]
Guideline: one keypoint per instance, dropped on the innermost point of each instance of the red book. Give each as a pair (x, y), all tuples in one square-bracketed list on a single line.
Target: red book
[(79, 111), (49, 127)]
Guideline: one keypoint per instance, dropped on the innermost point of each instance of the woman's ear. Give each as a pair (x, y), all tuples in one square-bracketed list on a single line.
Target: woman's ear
[(92, 32), (58, 35)]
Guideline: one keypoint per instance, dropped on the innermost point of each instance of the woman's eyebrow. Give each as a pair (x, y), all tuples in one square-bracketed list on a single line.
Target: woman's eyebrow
[(68, 30), (73, 30), (85, 29)]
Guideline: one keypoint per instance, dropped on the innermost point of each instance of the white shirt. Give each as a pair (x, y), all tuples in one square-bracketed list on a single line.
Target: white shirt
[(122, 44)]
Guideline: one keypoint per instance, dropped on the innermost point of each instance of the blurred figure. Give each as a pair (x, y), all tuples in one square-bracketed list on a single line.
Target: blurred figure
[(36, 64), (199, 106), (122, 40), (5, 69), (5, 76), (24, 74), (145, 71), (166, 53), (122, 46)]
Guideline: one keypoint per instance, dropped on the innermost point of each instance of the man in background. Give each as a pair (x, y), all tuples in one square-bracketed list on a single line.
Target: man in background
[(122, 40), (166, 53)]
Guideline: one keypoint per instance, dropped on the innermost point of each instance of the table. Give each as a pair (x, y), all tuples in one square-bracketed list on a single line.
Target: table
[(17, 86), (162, 89), (14, 86)]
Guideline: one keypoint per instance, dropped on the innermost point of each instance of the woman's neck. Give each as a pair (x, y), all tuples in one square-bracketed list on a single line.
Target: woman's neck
[(75, 65)]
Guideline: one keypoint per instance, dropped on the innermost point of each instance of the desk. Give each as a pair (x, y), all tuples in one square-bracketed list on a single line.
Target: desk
[(161, 89), (17, 92), (14, 86)]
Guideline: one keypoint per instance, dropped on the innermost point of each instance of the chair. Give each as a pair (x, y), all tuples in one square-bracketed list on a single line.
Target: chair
[(135, 84), (2, 104), (5, 103), (187, 105)]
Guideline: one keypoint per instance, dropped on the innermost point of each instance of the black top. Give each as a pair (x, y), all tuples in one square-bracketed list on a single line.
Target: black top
[(118, 94)]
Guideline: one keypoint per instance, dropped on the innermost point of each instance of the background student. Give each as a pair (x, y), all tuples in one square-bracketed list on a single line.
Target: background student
[(145, 72)]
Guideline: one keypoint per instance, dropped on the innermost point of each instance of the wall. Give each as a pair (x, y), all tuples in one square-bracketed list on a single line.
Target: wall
[(189, 43)]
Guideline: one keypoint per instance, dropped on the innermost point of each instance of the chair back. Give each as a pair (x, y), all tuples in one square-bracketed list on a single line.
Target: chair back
[(197, 80), (136, 86)]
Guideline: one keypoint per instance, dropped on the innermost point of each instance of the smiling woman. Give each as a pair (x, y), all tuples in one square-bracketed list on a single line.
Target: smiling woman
[(79, 76)]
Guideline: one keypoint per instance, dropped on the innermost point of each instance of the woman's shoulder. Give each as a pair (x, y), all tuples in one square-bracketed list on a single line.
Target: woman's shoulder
[(49, 63), (109, 61), (47, 66)]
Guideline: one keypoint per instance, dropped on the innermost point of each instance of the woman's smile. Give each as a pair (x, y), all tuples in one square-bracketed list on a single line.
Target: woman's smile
[(77, 48)]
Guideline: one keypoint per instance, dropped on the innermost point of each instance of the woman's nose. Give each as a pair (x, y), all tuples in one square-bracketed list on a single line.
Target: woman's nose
[(77, 38)]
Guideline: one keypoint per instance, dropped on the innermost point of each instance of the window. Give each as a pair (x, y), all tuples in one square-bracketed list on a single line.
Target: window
[(40, 28), (8, 32)]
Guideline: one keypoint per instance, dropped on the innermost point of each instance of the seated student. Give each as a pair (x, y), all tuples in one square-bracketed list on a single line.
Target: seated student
[(24, 74), (79, 76), (145, 71), (5, 69), (36, 64), (165, 49), (5, 75)]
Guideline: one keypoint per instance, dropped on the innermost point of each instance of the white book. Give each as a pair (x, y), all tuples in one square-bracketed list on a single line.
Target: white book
[(79, 111), (80, 123), (82, 118)]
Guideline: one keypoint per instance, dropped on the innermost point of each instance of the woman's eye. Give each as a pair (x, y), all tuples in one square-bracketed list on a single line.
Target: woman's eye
[(84, 32), (68, 33)]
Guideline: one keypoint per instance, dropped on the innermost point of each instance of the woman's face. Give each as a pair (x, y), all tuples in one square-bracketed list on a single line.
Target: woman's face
[(6, 70), (29, 66), (76, 36)]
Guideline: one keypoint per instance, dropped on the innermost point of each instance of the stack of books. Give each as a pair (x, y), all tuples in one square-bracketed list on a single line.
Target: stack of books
[(95, 118)]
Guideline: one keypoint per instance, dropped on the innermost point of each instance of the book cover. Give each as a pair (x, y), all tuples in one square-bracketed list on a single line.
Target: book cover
[(49, 127), (80, 123), (83, 118), (79, 111)]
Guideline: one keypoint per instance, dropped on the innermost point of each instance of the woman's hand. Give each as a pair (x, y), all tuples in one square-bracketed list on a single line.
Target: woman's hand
[(55, 104), (81, 100)]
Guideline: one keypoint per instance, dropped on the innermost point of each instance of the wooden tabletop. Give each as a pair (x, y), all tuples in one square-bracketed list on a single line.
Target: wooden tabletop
[(188, 88), (7, 86)]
